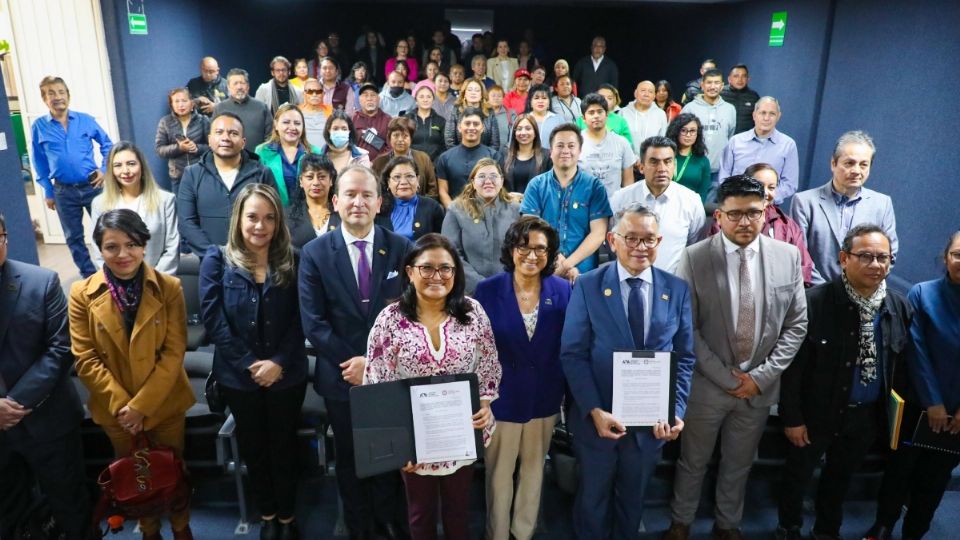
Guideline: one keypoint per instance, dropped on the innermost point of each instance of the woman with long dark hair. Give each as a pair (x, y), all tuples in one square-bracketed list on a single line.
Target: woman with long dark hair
[(664, 100), (525, 157), (692, 164), (311, 205), (435, 329)]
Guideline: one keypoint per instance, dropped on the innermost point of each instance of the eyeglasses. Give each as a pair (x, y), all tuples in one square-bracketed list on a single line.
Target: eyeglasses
[(313, 91), (633, 242), (3, 239), (954, 255), (525, 251), (689, 131), (410, 178), (867, 259), (737, 215), (493, 177), (427, 271)]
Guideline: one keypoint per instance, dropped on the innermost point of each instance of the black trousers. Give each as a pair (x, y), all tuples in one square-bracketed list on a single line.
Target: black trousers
[(845, 450), (917, 477), (267, 422), (380, 497), (58, 467)]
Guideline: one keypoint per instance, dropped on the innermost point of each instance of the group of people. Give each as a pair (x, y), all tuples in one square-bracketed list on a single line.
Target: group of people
[(399, 247)]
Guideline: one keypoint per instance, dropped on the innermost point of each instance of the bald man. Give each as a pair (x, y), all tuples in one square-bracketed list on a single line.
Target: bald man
[(643, 118), (209, 88)]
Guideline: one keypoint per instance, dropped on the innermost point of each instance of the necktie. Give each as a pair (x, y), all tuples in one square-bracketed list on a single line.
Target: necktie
[(635, 310), (746, 318), (363, 274)]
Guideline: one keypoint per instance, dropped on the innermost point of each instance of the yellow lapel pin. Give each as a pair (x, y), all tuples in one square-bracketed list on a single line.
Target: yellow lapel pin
[(382, 251), (607, 292), (664, 297)]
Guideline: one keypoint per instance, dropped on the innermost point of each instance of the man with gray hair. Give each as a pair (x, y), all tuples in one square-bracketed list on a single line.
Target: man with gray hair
[(679, 207), (827, 213), (254, 114), (628, 305), (278, 90), (764, 144)]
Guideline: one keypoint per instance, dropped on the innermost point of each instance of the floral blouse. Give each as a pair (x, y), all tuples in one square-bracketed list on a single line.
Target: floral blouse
[(399, 348)]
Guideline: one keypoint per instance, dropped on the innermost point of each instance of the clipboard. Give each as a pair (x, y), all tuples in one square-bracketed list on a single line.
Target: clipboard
[(672, 404), (382, 417), (924, 437)]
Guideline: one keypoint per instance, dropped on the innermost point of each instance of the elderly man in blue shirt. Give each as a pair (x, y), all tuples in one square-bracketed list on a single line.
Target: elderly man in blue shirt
[(764, 144), (572, 202), (63, 159)]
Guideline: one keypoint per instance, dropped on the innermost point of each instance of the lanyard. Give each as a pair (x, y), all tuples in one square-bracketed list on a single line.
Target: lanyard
[(680, 174)]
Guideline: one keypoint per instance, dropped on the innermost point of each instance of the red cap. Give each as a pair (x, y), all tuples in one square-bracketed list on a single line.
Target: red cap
[(521, 73)]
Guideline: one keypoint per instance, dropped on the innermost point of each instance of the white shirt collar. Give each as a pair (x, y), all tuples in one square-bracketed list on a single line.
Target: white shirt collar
[(729, 247), (350, 239), (623, 274)]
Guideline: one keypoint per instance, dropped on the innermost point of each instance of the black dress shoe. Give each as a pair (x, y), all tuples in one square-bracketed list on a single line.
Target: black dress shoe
[(289, 531), (393, 531), (878, 532), (269, 530)]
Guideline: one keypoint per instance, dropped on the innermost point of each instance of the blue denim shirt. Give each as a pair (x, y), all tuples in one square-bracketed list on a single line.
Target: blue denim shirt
[(67, 155)]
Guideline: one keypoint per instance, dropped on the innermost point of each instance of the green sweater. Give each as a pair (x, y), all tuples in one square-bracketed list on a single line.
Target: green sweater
[(615, 123), (696, 175)]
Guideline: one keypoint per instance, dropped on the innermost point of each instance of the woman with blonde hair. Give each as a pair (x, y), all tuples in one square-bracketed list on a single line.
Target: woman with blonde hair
[(478, 219), (473, 94), (130, 184), (250, 308), (281, 153)]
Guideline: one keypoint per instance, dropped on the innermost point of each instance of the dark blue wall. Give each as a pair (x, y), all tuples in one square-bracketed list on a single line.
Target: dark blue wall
[(13, 203)]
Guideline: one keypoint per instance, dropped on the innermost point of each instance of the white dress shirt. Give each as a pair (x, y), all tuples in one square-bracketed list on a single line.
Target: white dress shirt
[(646, 287), (354, 251), (756, 279), (681, 218)]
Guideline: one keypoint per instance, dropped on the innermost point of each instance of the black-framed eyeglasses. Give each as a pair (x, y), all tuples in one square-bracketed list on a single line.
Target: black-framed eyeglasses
[(3, 239), (525, 251), (427, 271), (955, 255), (867, 259), (689, 131), (633, 242), (737, 215)]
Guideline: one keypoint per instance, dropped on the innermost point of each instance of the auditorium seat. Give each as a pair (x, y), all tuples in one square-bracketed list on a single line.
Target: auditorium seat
[(189, 274)]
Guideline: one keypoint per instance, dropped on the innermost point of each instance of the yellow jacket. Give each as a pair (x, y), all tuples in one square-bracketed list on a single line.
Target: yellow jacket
[(145, 371)]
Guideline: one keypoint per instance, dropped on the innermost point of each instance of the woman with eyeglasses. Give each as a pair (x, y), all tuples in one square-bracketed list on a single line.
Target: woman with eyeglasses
[(411, 214), (434, 329), (315, 112), (776, 223), (402, 54), (526, 304), (692, 163), (478, 219)]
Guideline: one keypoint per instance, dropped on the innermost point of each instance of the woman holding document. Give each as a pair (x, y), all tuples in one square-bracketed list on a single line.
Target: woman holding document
[(433, 329), (922, 473), (526, 304)]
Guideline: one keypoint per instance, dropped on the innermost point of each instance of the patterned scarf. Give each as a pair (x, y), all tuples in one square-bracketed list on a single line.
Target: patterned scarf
[(868, 308), (126, 294)]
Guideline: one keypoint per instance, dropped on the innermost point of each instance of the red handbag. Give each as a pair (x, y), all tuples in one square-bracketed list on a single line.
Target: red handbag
[(151, 481)]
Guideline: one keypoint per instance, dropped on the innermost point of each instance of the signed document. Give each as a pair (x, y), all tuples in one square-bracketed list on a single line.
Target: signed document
[(643, 389), (442, 422)]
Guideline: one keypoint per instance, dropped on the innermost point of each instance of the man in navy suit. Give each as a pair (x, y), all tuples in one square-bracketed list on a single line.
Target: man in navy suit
[(626, 305), (347, 276), (40, 412)]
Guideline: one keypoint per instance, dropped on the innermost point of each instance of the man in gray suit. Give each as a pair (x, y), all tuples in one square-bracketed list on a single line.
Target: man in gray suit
[(40, 412), (826, 213), (749, 319)]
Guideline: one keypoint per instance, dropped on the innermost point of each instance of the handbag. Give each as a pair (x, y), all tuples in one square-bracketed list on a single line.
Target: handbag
[(211, 392), (151, 481)]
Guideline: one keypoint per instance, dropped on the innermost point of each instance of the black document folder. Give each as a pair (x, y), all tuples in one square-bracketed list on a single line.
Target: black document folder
[(924, 437), (382, 416)]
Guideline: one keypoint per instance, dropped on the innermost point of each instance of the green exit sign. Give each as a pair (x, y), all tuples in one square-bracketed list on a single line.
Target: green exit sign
[(138, 23), (778, 28)]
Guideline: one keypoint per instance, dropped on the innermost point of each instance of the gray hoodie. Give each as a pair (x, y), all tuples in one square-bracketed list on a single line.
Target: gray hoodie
[(719, 124), (396, 106)]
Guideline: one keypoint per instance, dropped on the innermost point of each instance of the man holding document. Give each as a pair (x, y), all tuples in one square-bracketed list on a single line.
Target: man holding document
[(615, 310), (749, 317)]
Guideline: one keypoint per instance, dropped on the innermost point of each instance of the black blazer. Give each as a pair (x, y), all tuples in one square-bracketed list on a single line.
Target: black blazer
[(35, 357), (815, 387), (330, 308), (589, 80), (427, 219)]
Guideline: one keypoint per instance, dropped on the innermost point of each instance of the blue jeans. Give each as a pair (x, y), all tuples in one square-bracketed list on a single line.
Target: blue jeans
[(71, 200)]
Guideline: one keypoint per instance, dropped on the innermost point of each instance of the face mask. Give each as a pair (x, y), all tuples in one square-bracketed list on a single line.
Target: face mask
[(395, 91), (339, 139)]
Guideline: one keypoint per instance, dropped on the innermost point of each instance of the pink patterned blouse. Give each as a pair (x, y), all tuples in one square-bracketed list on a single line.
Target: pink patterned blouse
[(399, 348)]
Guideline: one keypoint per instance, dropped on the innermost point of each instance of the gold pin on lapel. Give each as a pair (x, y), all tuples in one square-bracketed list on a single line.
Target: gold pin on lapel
[(664, 297), (607, 292), (382, 251), (476, 221), (575, 206), (417, 225)]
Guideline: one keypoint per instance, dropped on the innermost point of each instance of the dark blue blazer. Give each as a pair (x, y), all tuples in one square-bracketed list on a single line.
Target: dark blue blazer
[(532, 385), (35, 357), (333, 320), (596, 326), (229, 307)]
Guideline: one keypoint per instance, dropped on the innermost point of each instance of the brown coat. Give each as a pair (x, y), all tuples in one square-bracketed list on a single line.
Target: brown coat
[(144, 371)]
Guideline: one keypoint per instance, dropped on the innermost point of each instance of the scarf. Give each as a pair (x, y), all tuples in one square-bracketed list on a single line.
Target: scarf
[(126, 294), (868, 308)]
